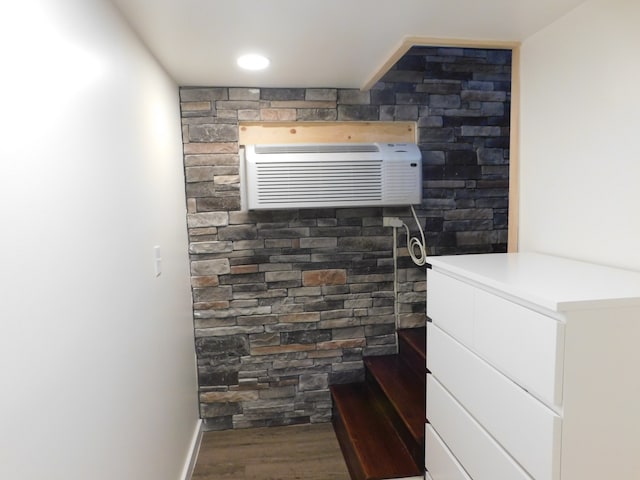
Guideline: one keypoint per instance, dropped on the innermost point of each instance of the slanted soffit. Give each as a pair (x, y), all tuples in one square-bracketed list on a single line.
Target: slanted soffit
[(327, 43)]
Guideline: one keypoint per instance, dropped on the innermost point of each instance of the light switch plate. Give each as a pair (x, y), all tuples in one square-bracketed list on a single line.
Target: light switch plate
[(157, 260)]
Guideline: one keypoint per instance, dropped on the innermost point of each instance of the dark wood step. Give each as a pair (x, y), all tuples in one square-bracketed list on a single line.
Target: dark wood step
[(370, 444), (401, 397), (412, 348)]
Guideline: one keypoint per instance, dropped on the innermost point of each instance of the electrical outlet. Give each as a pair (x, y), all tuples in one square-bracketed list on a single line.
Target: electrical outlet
[(391, 222)]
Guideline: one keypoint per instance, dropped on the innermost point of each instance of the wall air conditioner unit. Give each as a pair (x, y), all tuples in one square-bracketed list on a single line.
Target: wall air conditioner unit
[(333, 175)]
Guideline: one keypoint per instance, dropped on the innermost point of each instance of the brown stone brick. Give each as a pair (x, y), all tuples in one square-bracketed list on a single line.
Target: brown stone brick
[(278, 114), (206, 281), (239, 269), (300, 317), (226, 179), (325, 354), (350, 343), (221, 304), (195, 106), (312, 278)]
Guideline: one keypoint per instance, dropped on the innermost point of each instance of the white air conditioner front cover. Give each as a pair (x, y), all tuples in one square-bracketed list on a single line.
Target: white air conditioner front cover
[(333, 175)]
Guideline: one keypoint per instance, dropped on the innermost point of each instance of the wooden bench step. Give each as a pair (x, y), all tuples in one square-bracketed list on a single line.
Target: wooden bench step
[(412, 347), (372, 448), (401, 395)]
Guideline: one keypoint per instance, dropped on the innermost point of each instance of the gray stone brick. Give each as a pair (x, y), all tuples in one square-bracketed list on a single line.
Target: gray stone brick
[(354, 97), (188, 94), (321, 94), (225, 331), (338, 323), (314, 382), (218, 423), (236, 345), (469, 214), (483, 96), (264, 339), (387, 113), (351, 332), (239, 232), (365, 243), (470, 131), (412, 99), (318, 242), (348, 366), (403, 76), (279, 276), (234, 106), (210, 267), (278, 392), (492, 109), (491, 156), (358, 112), (383, 97), (280, 94), (439, 87), (317, 114), (209, 219), (244, 94), (219, 409), (306, 336), (213, 133), (444, 101), (216, 160), (210, 247), (436, 135)]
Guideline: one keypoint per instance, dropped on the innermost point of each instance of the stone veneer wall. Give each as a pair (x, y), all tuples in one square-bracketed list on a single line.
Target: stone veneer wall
[(288, 302)]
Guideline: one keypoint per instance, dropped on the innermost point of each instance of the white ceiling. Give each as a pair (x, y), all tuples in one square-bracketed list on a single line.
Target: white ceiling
[(319, 43)]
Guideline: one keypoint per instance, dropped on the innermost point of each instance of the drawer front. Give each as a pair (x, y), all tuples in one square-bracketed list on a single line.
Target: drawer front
[(450, 305), (526, 428), (439, 461), (479, 454), (526, 345)]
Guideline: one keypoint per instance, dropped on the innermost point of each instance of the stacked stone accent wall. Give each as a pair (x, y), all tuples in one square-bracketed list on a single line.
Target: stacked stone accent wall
[(288, 302)]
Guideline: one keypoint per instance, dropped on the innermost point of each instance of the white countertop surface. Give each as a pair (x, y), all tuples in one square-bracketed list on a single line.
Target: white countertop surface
[(555, 283)]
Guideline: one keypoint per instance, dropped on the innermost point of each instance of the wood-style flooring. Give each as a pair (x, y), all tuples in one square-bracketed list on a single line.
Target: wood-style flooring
[(309, 452)]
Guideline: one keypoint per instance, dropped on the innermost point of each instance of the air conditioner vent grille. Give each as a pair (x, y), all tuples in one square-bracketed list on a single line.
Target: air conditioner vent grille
[(302, 183)]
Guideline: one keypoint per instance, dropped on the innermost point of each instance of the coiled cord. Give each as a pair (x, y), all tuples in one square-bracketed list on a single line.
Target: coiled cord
[(417, 246)]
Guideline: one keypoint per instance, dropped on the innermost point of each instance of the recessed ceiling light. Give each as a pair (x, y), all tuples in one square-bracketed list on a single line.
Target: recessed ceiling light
[(253, 62)]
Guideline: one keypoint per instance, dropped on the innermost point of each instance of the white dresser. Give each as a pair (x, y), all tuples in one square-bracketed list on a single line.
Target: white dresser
[(534, 366)]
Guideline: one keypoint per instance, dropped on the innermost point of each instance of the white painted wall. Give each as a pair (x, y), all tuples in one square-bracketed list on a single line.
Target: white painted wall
[(580, 157), (97, 369)]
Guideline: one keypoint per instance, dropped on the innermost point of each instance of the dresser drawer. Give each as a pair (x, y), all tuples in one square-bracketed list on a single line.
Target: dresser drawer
[(525, 427), (526, 345), (439, 461), (450, 304), (479, 454)]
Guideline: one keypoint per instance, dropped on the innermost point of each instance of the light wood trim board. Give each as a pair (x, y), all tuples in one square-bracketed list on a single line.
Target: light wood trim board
[(514, 154), (326, 132)]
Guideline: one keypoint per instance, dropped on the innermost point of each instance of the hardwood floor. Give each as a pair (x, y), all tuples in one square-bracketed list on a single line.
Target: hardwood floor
[(309, 452)]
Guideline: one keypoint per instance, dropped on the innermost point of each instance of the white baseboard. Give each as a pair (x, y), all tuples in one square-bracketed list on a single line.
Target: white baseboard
[(194, 449)]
